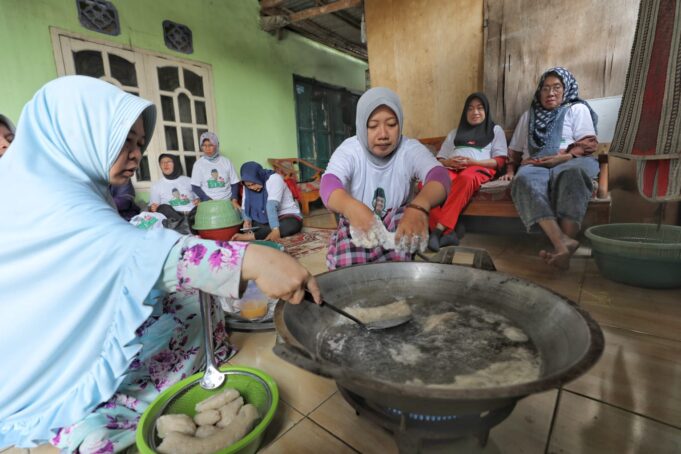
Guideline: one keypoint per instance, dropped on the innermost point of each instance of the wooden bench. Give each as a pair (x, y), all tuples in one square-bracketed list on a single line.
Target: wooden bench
[(494, 197)]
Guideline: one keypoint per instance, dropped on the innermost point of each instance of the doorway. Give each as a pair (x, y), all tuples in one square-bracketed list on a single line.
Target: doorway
[(325, 117)]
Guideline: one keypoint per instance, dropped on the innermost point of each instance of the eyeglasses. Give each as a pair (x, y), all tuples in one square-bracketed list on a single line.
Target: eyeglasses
[(557, 88)]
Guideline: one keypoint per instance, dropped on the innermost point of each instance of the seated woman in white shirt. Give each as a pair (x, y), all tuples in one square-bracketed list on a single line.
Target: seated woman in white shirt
[(213, 175), (368, 182), (268, 206), (556, 139), (172, 194), (472, 153)]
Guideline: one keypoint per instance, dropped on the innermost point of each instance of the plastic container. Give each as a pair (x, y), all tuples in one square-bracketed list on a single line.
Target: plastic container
[(643, 255), (255, 386), (253, 308), (216, 214)]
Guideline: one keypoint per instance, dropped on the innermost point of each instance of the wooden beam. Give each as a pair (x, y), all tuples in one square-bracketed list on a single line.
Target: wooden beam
[(321, 10), (267, 4)]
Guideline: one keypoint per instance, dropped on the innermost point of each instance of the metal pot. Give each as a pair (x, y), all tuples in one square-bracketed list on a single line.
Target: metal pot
[(567, 339)]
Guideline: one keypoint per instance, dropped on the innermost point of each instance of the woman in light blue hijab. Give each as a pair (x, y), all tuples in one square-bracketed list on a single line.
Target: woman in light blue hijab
[(97, 316)]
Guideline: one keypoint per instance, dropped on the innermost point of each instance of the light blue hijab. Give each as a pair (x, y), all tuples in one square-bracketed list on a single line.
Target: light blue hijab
[(74, 276)]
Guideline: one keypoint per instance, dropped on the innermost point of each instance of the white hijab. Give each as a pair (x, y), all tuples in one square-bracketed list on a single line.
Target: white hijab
[(74, 275)]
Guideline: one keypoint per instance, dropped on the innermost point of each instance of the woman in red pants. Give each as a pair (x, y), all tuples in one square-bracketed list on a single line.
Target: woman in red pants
[(473, 152)]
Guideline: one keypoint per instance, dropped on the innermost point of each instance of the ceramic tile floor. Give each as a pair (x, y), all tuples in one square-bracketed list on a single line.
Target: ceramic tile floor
[(629, 402)]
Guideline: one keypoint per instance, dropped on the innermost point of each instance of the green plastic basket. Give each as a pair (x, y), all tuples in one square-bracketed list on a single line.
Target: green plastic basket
[(644, 255), (256, 387)]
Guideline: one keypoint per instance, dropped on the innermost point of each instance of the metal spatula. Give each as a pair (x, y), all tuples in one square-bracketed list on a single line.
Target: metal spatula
[(375, 325)]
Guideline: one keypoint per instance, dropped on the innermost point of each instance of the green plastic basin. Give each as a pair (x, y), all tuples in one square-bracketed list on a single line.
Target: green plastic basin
[(643, 255), (216, 214), (255, 386)]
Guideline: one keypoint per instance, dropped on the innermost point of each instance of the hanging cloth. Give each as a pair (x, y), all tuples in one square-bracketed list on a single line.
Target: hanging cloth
[(649, 124)]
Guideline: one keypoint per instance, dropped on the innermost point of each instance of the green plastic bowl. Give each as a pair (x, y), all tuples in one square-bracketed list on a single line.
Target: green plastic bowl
[(643, 255), (255, 386), (216, 214)]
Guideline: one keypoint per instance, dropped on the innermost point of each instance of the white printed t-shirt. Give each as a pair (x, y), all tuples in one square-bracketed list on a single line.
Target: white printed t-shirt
[(365, 181), (496, 148), (216, 186), (577, 124), (177, 193)]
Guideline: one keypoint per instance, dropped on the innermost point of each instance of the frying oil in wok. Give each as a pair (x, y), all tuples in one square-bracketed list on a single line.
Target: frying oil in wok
[(447, 344)]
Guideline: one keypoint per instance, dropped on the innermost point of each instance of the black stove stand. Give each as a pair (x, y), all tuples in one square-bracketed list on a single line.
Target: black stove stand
[(412, 431)]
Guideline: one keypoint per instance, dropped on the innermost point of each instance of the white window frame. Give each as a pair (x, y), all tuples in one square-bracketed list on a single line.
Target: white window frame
[(147, 80)]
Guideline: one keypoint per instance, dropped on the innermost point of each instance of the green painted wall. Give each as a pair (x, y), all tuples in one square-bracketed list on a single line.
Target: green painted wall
[(252, 70)]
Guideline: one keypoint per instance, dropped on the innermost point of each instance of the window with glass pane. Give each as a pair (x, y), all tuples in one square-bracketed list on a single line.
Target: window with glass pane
[(168, 78), (89, 63), (123, 70), (142, 173), (180, 90), (189, 161), (193, 82), (200, 112), (167, 108), (184, 110)]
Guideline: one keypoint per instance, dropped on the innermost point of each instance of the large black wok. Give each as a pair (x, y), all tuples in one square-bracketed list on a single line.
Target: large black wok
[(567, 340)]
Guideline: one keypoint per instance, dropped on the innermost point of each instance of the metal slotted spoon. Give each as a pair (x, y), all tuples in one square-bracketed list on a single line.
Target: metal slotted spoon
[(389, 322)]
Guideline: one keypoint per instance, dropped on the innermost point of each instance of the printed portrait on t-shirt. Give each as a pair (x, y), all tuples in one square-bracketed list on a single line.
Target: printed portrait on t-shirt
[(215, 180), (379, 202), (178, 199)]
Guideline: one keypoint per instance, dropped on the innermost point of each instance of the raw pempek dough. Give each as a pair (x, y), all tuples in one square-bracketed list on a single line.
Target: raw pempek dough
[(178, 443)]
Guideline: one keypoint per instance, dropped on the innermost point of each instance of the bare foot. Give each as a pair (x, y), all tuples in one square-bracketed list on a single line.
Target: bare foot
[(561, 257)]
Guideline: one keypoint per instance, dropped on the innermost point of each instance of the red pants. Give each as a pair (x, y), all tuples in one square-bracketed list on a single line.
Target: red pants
[(464, 184)]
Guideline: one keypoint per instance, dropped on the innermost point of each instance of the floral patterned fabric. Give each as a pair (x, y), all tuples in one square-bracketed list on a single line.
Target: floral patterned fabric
[(172, 339)]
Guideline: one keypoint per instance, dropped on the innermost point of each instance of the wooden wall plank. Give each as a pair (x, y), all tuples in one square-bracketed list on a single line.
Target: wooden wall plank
[(430, 53), (592, 39)]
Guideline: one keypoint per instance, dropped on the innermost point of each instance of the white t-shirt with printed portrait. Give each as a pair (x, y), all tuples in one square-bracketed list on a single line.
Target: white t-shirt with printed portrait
[(381, 187), (177, 193), (215, 177)]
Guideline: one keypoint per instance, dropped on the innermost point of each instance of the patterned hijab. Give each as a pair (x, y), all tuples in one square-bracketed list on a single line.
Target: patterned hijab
[(478, 136), (255, 202), (371, 100), (542, 121), (212, 138), (177, 166)]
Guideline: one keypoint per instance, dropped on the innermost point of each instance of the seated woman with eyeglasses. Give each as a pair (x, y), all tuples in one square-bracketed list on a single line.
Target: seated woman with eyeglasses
[(552, 163)]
